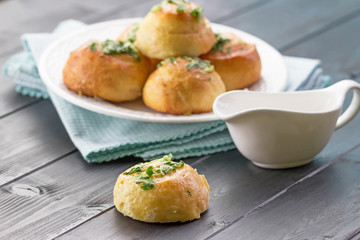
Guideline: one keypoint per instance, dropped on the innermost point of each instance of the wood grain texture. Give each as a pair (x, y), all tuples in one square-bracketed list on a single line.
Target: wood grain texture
[(283, 22), (56, 198), (236, 187), (339, 51), (29, 139), (214, 10), (325, 206), (58, 195), (37, 16)]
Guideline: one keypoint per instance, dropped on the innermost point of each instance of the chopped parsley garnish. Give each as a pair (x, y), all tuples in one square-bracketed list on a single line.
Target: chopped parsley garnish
[(180, 8), (149, 171), (196, 12), (189, 193), (144, 177), (147, 182), (218, 46), (114, 47), (193, 63), (131, 36), (168, 165), (135, 169), (170, 59), (92, 46), (199, 63)]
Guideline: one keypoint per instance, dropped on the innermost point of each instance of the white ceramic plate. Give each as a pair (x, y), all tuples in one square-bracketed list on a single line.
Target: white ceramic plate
[(273, 73)]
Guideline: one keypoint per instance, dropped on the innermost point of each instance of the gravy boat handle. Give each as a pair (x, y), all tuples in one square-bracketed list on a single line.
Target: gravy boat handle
[(343, 87)]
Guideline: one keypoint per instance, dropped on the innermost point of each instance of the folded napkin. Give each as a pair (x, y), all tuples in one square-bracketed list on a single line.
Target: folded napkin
[(102, 138)]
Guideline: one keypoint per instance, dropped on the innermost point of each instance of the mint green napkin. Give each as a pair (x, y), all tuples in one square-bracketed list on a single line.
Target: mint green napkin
[(102, 138)]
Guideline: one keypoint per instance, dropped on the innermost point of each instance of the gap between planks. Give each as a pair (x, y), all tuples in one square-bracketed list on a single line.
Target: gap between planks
[(354, 236), (242, 10), (331, 162), (39, 167), (321, 30)]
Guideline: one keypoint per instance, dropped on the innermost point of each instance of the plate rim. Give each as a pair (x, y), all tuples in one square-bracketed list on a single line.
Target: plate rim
[(166, 118)]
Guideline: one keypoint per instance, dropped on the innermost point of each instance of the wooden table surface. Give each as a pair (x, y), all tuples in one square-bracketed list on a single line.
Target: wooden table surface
[(48, 191)]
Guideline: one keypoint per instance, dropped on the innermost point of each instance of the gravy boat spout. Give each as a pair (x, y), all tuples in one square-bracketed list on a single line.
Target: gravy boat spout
[(282, 130)]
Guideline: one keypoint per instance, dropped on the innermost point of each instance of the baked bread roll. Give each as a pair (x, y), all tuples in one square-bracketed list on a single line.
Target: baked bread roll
[(129, 34), (112, 70), (237, 62), (183, 85), (174, 28), (161, 191)]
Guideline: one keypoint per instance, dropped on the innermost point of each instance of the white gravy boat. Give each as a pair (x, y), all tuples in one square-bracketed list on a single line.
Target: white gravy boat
[(283, 130)]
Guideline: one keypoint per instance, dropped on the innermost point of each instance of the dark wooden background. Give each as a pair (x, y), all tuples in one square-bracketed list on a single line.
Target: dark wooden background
[(48, 191)]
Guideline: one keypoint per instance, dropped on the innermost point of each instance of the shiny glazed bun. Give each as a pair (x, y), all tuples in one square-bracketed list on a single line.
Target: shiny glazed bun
[(183, 85), (237, 62), (161, 191), (129, 34), (174, 28), (112, 70)]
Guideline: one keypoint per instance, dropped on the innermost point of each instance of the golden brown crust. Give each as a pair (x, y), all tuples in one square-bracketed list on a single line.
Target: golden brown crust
[(168, 33), (240, 67), (173, 88), (181, 195), (115, 77)]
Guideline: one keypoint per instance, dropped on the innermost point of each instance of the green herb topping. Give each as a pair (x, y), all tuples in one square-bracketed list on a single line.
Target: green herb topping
[(147, 182), (114, 47), (92, 46), (219, 44), (189, 193), (131, 36), (145, 177), (196, 12), (180, 7), (149, 171), (199, 63), (167, 60), (194, 62), (136, 169)]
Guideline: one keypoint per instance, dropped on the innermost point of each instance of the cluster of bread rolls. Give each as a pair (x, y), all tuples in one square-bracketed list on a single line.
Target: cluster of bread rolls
[(172, 59)]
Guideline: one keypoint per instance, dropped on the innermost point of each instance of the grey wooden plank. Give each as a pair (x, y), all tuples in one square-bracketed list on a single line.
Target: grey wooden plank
[(57, 197), (338, 48), (40, 16), (325, 206), (236, 186), (34, 16), (218, 10), (282, 22), (29, 139)]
